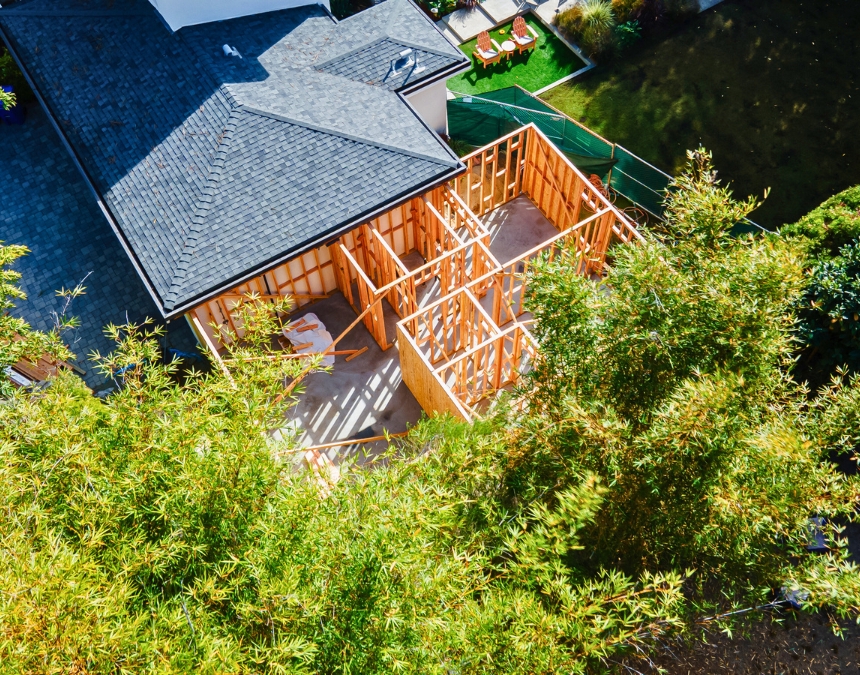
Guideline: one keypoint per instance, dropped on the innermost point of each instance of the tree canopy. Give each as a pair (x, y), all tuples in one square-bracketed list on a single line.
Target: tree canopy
[(828, 309), (657, 469)]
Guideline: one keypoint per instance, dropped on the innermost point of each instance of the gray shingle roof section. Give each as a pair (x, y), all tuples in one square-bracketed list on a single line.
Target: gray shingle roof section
[(372, 64), (360, 175), (158, 120), (400, 21)]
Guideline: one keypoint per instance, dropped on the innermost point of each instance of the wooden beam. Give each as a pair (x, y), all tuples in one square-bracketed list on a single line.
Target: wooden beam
[(213, 350), (356, 353), (353, 441)]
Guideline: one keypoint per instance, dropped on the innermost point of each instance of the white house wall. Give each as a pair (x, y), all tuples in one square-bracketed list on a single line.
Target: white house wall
[(431, 103), (179, 13)]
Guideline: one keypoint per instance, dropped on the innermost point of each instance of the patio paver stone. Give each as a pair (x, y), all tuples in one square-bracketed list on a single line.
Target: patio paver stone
[(467, 23), (501, 11)]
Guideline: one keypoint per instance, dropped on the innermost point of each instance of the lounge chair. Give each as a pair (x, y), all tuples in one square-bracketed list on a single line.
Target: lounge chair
[(524, 35), (487, 51)]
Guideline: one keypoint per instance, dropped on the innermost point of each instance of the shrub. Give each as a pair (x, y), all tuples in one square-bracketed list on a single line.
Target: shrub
[(828, 228), (7, 100), (591, 24), (827, 332), (829, 316), (442, 7), (627, 10), (666, 382), (627, 33), (10, 74), (663, 471)]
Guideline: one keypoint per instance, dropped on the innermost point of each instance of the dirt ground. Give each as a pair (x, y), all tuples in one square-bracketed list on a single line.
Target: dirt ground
[(800, 645)]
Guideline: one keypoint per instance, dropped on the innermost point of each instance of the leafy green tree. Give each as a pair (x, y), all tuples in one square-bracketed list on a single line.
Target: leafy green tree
[(17, 340), (828, 311), (824, 231), (829, 316), (156, 532), (665, 467), (668, 381)]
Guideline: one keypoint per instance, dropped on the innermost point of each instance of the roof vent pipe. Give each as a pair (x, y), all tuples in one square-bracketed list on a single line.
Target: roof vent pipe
[(404, 60)]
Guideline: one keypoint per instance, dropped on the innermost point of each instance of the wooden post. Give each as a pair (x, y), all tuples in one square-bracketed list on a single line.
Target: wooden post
[(202, 334)]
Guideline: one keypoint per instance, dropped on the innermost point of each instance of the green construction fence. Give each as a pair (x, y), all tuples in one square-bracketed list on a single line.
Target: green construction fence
[(480, 120)]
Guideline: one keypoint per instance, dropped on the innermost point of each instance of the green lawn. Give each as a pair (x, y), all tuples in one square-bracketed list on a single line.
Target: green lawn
[(550, 61), (772, 87)]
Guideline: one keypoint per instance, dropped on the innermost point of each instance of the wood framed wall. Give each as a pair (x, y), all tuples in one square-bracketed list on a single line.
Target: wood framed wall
[(455, 352), (473, 353), (429, 390), (494, 174), (459, 352), (316, 275), (364, 296)]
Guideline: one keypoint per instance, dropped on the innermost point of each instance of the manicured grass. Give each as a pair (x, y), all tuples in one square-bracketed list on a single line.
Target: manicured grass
[(548, 62), (772, 87)]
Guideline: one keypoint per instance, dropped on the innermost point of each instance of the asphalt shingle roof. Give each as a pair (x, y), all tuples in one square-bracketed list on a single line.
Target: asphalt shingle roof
[(46, 205), (215, 166), (370, 64)]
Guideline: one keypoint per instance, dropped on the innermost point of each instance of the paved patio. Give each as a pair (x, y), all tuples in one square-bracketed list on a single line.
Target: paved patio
[(45, 205), (464, 24)]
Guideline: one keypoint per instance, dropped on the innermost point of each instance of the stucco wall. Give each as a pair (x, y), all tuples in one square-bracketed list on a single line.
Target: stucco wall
[(431, 104)]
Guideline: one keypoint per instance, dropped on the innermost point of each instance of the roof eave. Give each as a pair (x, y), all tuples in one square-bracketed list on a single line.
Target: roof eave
[(432, 78), (327, 237)]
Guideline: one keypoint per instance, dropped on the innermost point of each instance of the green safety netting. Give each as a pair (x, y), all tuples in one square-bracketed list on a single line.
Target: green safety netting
[(640, 182), (479, 120)]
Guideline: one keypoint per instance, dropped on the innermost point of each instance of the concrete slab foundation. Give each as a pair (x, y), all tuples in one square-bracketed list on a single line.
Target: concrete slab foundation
[(517, 227), (362, 397)]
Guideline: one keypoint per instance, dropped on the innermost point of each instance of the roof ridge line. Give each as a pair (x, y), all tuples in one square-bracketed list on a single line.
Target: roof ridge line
[(401, 7), (349, 137), (202, 207)]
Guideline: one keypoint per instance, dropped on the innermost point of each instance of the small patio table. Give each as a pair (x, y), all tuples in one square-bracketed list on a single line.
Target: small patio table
[(509, 46)]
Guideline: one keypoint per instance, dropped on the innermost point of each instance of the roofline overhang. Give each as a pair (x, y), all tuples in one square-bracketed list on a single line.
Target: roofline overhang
[(322, 240), (433, 78), (271, 264), (87, 180)]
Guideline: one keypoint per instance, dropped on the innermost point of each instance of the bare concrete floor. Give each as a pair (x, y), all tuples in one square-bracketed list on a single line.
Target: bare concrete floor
[(367, 396), (517, 227), (363, 397)]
